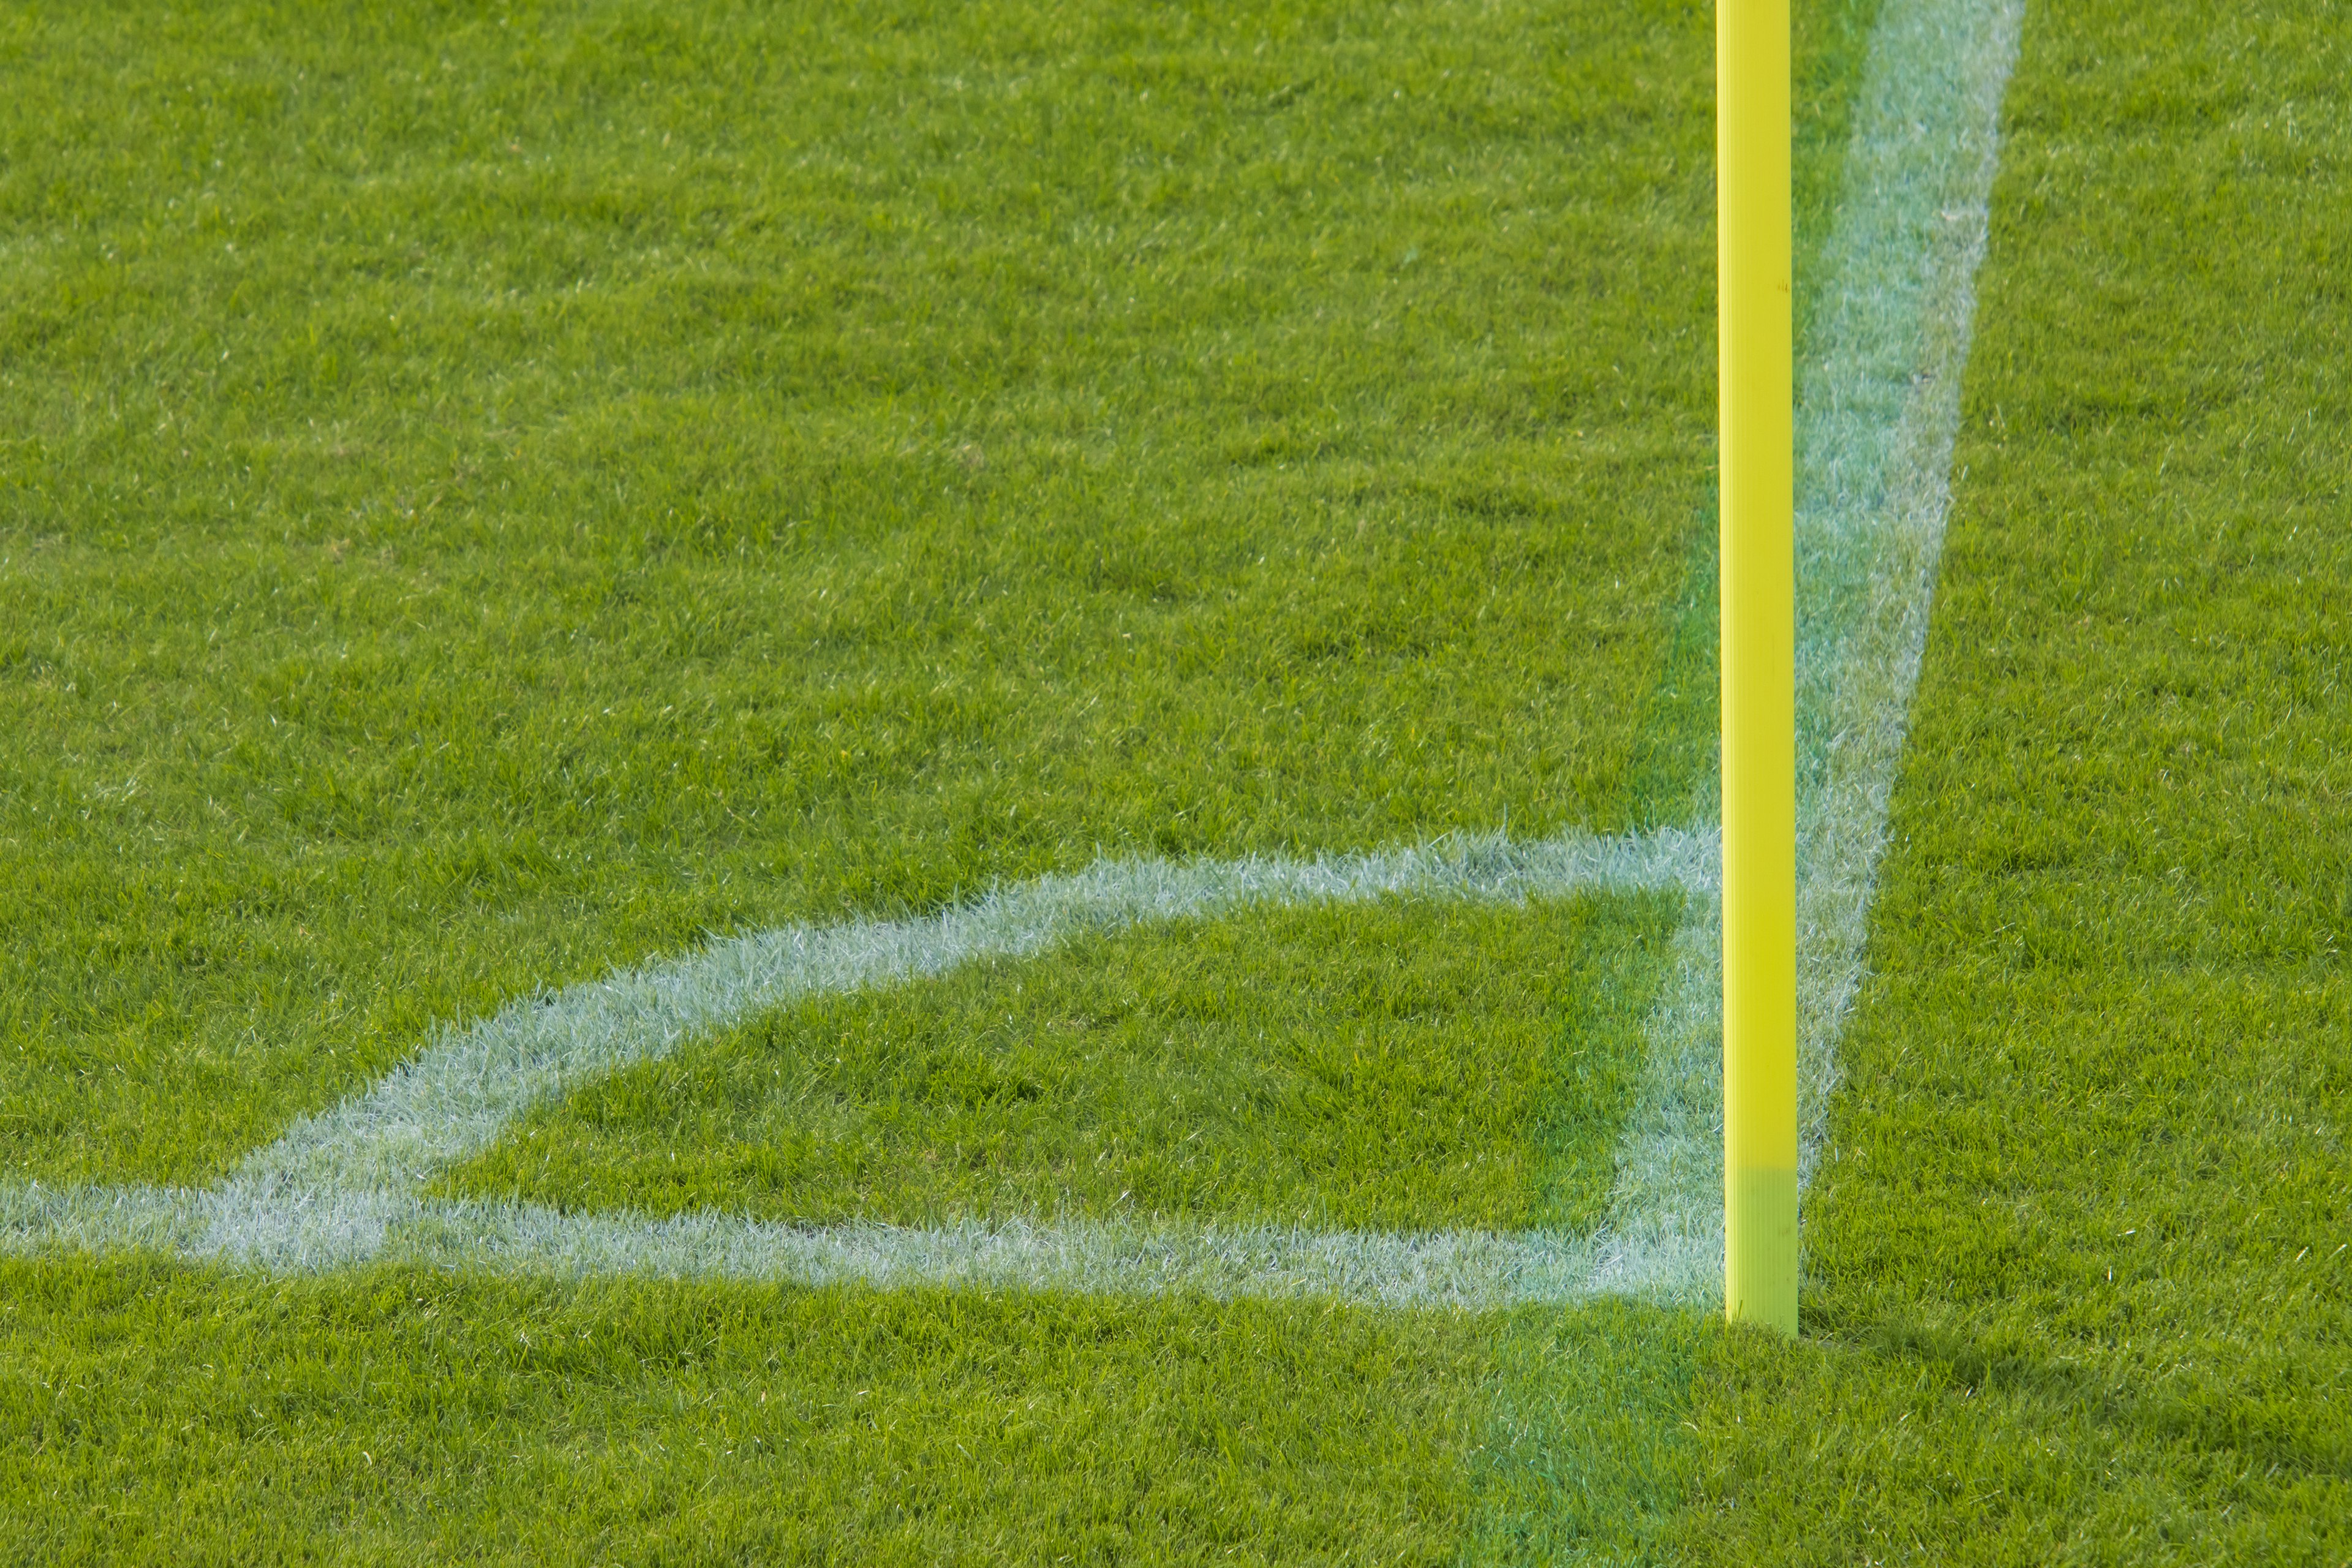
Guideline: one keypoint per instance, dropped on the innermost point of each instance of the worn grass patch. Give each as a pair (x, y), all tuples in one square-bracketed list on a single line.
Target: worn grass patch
[(1411, 1064)]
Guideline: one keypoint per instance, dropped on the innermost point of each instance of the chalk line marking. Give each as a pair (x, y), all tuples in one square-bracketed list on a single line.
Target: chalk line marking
[(1878, 388), (1878, 409), (458, 1096), (1456, 1269), (344, 1188)]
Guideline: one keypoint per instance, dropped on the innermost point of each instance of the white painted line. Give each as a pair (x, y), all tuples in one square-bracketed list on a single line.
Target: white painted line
[(1878, 407), (1878, 410), (1463, 1270), (1459, 1270), (458, 1096), (342, 1188)]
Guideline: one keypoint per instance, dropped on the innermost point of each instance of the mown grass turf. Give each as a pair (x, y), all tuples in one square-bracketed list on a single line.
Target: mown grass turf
[(494, 495), (169, 1416), (1413, 1065), (160, 1414), (2079, 1258)]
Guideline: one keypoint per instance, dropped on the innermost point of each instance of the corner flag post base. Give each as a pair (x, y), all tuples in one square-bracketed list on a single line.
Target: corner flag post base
[(1760, 1264), (1758, 604)]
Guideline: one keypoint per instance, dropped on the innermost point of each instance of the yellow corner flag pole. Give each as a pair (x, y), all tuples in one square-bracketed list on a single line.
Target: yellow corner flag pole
[(1759, 729)]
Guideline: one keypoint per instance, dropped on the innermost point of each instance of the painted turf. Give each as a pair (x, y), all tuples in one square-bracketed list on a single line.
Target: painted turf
[(1878, 405)]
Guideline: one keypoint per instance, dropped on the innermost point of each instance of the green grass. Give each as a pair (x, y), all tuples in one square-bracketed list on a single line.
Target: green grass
[(491, 497), (1409, 1066), (2080, 1267), (165, 1415), (162, 1413)]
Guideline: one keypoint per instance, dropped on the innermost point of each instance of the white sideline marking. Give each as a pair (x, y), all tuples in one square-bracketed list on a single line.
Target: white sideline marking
[(342, 1188), (319, 1230), (457, 1098), (1878, 408), (1878, 391)]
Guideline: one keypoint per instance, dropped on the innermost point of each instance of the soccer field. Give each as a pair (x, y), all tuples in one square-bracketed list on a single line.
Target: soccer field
[(938, 784)]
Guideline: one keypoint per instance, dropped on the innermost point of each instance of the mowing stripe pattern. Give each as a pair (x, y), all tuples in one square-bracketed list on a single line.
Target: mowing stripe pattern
[(1878, 407)]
